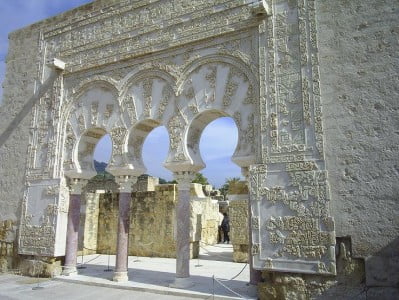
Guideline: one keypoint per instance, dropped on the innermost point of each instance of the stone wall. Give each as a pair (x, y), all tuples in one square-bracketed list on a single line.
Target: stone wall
[(6, 246), (107, 223), (152, 222), (204, 218), (15, 119), (348, 284), (238, 212), (359, 69), (89, 222), (146, 183)]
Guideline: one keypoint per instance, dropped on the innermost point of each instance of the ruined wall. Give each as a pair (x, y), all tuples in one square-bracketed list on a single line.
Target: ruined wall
[(204, 219), (238, 212), (146, 183), (152, 222), (107, 223), (6, 246), (88, 231), (359, 66)]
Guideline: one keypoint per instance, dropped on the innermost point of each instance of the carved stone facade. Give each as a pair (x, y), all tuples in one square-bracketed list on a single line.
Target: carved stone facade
[(311, 85)]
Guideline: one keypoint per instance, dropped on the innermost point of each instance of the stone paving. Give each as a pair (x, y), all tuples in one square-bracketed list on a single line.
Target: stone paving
[(149, 278)]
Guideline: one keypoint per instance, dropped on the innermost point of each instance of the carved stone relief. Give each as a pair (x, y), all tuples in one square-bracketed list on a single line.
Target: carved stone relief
[(289, 191), (37, 232), (220, 61)]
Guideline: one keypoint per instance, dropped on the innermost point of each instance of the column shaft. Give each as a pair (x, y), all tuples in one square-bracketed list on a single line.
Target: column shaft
[(183, 235), (72, 234), (182, 279), (123, 237)]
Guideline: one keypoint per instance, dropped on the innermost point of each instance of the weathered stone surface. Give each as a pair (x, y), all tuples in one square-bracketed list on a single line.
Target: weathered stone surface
[(383, 293), (359, 86), (348, 284), (238, 214), (152, 222), (40, 267), (382, 271), (88, 231)]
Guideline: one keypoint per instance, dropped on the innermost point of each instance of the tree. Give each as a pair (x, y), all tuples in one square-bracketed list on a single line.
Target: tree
[(230, 183), (199, 178)]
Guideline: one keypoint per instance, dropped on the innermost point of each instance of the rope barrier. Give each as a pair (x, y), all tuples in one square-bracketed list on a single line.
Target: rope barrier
[(234, 277), (229, 289), (90, 260)]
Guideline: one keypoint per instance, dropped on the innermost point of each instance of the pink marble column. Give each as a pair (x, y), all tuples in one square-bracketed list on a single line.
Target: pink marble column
[(182, 279), (71, 248), (125, 197)]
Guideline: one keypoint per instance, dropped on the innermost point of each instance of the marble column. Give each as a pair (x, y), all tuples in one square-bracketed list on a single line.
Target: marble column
[(255, 276), (71, 249), (182, 279), (125, 183)]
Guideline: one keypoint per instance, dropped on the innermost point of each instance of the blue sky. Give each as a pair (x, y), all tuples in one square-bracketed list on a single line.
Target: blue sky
[(217, 145), (218, 140)]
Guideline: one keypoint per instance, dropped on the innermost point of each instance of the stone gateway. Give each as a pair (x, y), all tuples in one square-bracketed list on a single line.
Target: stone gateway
[(312, 86)]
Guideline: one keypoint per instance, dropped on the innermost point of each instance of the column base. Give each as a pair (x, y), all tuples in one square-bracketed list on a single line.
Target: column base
[(69, 270), (182, 283), (120, 277)]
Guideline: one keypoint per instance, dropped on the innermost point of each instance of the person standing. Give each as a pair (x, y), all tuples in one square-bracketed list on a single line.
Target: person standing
[(226, 228)]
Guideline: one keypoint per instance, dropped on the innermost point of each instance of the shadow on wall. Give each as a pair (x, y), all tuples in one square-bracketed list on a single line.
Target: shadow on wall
[(382, 272)]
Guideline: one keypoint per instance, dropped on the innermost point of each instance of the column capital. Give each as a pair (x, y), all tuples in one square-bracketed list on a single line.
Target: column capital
[(245, 172), (184, 179), (125, 183), (76, 185)]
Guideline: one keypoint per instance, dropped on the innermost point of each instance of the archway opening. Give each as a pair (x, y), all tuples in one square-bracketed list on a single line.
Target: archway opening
[(217, 144), (151, 216), (95, 150), (155, 151), (102, 153)]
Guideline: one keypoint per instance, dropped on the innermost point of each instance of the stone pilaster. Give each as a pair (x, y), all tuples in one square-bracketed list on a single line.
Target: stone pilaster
[(125, 183), (76, 186), (255, 276), (182, 279)]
